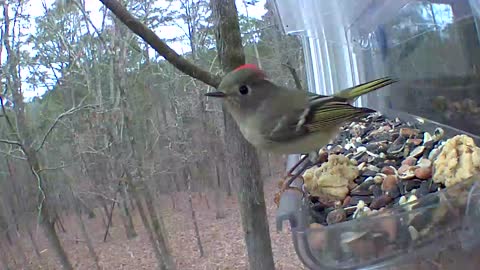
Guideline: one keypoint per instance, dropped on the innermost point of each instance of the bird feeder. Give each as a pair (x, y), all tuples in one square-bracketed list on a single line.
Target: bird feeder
[(413, 201)]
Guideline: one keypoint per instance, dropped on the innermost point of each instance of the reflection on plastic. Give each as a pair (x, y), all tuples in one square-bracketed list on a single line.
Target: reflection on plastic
[(471, 226), (364, 21), (412, 20)]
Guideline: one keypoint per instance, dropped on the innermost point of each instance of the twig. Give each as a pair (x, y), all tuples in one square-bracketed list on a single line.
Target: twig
[(80, 240), (87, 19), (94, 152), (62, 115), (292, 70), (10, 142), (54, 168), (11, 155), (39, 185), (110, 214), (98, 194)]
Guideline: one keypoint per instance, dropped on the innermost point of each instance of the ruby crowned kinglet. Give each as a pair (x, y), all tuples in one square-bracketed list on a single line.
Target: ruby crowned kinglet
[(288, 121)]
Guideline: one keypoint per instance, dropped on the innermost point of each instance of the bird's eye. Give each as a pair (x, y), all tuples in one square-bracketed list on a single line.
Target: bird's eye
[(243, 89)]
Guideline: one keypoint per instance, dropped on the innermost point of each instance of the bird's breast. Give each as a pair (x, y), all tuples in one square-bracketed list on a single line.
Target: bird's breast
[(300, 145), (253, 135)]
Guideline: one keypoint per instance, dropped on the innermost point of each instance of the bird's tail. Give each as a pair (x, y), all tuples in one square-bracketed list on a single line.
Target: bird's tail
[(353, 92)]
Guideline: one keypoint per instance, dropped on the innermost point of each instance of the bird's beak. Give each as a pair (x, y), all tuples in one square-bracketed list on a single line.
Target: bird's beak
[(216, 94)]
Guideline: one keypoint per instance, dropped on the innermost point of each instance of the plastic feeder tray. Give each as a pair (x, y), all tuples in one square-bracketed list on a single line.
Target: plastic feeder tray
[(353, 244), (433, 48), (384, 239)]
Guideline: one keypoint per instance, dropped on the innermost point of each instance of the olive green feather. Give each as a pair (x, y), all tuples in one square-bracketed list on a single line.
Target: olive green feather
[(332, 111), (362, 89), (324, 112), (352, 93), (332, 114)]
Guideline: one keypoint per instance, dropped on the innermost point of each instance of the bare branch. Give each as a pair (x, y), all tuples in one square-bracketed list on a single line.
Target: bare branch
[(161, 47), (11, 142), (294, 73), (12, 156), (42, 192), (88, 20), (55, 168), (79, 240), (62, 115)]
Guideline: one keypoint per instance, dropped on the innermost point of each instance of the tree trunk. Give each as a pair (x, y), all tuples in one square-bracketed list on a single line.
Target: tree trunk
[(127, 217), (192, 211), (59, 223), (12, 205), (204, 195), (78, 212), (109, 214), (20, 251), (246, 165), (219, 196), (49, 228), (91, 250), (159, 229), (229, 172), (34, 242), (161, 262), (172, 199), (3, 258), (9, 238), (130, 203), (106, 218)]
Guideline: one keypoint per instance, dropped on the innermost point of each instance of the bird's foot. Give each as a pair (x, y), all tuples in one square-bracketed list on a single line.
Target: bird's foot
[(308, 160), (292, 176)]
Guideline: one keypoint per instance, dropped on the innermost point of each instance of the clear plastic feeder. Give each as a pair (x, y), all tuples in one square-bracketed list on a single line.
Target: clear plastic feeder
[(433, 48), (387, 239)]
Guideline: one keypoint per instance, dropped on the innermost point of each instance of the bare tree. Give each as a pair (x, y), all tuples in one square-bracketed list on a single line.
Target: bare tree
[(23, 137)]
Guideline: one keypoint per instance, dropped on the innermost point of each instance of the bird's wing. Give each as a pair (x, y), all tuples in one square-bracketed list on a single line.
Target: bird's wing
[(319, 112), (328, 114), (322, 113)]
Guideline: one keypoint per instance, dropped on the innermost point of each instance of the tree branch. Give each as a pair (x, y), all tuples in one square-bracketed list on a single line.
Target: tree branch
[(11, 142), (294, 73), (88, 20), (12, 155), (64, 165), (161, 47), (62, 115), (99, 195)]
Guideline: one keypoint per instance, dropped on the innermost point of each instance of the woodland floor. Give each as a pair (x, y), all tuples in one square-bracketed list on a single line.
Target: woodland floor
[(222, 239)]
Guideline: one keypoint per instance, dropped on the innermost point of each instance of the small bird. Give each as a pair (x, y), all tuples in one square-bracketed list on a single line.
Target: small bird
[(288, 121)]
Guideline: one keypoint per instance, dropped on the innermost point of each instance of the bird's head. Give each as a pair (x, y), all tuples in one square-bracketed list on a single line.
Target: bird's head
[(243, 89)]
